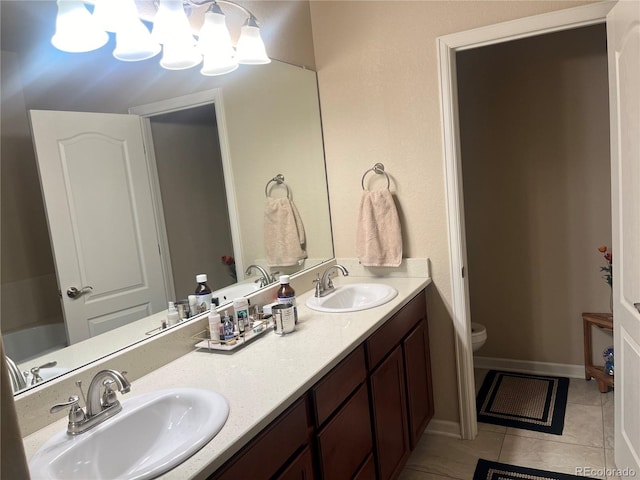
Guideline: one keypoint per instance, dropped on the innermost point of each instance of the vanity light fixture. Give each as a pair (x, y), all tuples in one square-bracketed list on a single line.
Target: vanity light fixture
[(79, 30)]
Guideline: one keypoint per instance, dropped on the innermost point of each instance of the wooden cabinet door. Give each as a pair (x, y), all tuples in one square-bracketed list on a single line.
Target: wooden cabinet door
[(345, 442), (417, 364), (301, 468), (388, 401)]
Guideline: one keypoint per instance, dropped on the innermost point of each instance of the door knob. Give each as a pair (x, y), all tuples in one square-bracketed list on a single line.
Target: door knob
[(75, 292)]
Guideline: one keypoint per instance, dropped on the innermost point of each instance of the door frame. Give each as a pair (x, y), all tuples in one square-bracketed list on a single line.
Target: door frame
[(197, 99), (448, 46)]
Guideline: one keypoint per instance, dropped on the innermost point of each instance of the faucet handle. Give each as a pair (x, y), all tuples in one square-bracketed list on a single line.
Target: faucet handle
[(76, 414), (73, 401), (318, 286), (109, 396)]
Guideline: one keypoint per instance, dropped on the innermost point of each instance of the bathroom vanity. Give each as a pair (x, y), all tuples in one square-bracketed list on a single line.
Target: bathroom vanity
[(345, 396)]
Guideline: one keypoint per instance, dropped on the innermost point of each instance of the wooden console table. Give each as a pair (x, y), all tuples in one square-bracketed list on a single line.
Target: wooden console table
[(604, 321)]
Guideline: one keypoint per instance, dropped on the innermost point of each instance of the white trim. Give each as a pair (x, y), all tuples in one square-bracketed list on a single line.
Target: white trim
[(526, 366), (197, 99), (443, 427), (447, 47)]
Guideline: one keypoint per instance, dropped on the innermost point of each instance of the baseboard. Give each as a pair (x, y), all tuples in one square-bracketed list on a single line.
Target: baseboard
[(525, 366), (444, 427)]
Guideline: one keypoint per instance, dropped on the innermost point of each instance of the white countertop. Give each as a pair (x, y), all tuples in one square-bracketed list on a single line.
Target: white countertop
[(263, 378)]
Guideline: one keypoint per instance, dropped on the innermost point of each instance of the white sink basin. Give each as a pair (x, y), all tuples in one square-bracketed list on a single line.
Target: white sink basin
[(152, 434), (354, 297), (238, 290)]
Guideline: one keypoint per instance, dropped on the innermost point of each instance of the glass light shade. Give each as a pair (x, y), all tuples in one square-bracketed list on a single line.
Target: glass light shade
[(213, 65), (76, 29), (250, 49), (215, 46), (112, 14), (171, 24), (176, 56), (134, 42)]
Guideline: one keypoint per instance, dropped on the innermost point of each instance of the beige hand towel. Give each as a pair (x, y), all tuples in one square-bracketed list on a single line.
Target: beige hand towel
[(284, 236), (378, 234)]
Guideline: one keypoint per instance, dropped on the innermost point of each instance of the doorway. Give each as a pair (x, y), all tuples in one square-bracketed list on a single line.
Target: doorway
[(449, 46), (187, 155), (536, 169)]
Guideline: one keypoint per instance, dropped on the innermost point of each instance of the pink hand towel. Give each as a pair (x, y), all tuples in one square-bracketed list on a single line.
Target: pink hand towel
[(378, 234), (284, 236)]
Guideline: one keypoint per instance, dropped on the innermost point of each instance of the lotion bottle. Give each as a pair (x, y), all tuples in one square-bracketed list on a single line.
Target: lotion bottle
[(214, 325), (172, 315)]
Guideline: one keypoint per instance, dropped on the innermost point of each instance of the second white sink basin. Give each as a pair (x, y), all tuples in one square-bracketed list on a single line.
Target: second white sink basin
[(353, 297), (152, 434)]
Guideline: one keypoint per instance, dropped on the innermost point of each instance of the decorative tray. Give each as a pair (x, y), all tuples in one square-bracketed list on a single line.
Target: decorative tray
[(258, 329)]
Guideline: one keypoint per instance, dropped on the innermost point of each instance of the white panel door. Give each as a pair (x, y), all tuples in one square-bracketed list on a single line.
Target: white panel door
[(97, 196), (623, 31)]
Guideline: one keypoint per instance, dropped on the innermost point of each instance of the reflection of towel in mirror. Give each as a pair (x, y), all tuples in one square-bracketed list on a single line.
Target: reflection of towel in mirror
[(284, 236), (378, 235)]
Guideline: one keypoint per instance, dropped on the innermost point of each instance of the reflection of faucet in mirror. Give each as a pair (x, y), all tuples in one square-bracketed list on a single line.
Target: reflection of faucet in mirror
[(266, 278), (101, 405), (18, 382), (324, 285)]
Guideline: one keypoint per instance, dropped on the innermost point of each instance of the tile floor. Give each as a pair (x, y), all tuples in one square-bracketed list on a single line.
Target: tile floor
[(586, 441)]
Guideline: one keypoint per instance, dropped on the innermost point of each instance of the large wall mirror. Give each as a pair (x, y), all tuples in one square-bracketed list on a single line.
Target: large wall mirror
[(214, 145)]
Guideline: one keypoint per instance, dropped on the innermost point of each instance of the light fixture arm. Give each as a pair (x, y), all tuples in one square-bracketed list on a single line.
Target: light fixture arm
[(216, 8)]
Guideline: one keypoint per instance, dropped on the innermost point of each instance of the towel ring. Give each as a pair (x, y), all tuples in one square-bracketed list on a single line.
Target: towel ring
[(379, 169), (279, 179)]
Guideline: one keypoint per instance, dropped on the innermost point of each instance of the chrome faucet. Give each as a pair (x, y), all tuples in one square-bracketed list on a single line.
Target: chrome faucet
[(266, 278), (102, 403), (18, 382), (324, 285)]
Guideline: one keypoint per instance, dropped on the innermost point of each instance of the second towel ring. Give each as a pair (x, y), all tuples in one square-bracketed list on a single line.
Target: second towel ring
[(279, 179), (379, 169)]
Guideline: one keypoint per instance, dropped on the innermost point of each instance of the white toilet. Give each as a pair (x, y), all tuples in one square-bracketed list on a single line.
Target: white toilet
[(478, 335)]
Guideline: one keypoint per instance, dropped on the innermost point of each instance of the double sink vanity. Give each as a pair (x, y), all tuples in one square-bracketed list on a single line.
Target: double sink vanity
[(346, 395)]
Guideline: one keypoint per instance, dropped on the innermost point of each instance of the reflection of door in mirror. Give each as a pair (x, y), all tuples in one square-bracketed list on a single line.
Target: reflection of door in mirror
[(97, 195)]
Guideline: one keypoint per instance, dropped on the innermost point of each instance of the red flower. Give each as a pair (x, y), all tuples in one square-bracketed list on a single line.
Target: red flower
[(228, 260)]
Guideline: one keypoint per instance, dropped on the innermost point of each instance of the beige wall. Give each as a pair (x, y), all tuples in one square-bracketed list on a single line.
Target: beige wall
[(378, 77), (534, 117)]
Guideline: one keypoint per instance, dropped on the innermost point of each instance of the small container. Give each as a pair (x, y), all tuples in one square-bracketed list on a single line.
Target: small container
[(173, 317), (283, 318), (286, 294), (241, 309), (203, 294), (214, 325), (229, 335), (193, 305), (183, 309)]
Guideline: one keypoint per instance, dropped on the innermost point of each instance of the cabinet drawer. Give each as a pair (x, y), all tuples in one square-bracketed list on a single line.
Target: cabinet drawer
[(337, 385), (346, 440), (301, 468), (393, 331), (272, 448)]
